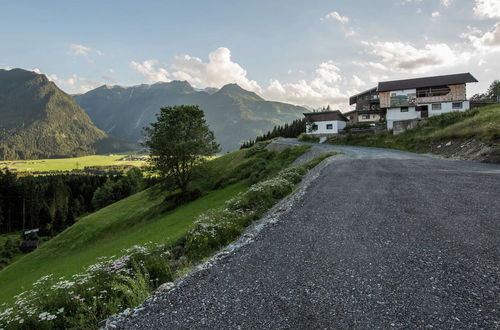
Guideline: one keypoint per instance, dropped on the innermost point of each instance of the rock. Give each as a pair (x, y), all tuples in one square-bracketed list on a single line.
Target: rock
[(448, 144)]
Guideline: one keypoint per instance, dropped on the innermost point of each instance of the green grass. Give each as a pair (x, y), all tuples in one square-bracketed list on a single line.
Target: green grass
[(140, 218), (67, 164), (482, 124)]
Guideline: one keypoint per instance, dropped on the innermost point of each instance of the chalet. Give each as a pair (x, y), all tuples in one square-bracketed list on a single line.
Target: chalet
[(423, 97), (367, 107), (325, 123)]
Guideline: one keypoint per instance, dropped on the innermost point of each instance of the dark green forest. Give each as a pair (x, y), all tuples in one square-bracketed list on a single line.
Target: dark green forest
[(292, 130)]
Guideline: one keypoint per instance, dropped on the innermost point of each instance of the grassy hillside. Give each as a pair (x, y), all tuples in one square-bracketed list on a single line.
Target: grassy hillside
[(67, 164), (481, 124), (140, 218)]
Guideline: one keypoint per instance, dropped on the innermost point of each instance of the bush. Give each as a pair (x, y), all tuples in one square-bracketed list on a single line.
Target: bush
[(308, 138), (103, 289), (213, 230)]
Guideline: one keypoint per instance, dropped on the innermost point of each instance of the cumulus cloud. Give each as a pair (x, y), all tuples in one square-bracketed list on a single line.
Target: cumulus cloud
[(435, 14), (324, 88), (487, 8), (218, 71), (148, 69), (337, 17), (400, 56), (484, 42), (75, 83)]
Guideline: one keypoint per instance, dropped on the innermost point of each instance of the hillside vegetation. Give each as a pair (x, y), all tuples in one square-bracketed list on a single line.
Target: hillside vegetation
[(479, 127), (141, 218), (233, 114)]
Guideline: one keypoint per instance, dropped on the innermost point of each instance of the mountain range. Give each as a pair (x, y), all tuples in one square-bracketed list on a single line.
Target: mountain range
[(233, 113), (38, 120)]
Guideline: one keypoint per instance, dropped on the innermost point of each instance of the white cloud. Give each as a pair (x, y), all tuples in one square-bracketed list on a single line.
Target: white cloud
[(76, 49), (357, 82), (446, 3), (404, 57), (148, 69), (419, 11), (217, 72), (484, 42), (323, 89), (336, 16), (74, 84), (487, 8), (435, 14)]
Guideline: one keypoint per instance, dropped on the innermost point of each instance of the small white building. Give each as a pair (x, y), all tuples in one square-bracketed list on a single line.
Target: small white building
[(325, 123), (423, 97)]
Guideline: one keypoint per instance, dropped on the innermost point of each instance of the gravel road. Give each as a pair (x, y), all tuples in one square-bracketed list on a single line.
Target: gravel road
[(382, 239)]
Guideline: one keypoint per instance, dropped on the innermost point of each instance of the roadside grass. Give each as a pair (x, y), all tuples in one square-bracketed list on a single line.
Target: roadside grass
[(142, 218), (68, 164), (114, 283), (481, 123)]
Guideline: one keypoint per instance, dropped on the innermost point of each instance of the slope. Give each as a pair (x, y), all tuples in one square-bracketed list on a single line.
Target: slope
[(234, 114), (138, 219), (38, 120)]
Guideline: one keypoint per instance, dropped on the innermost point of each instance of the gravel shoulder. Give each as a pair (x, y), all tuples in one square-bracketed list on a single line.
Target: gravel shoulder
[(373, 238)]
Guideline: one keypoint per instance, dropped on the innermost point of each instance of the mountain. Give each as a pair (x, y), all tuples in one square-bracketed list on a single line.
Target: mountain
[(38, 120), (234, 114)]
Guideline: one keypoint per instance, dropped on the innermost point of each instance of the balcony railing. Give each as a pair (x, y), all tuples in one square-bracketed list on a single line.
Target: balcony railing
[(429, 92)]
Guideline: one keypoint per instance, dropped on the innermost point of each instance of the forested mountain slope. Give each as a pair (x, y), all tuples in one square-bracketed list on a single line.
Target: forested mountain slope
[(234, 114), (38, 120)]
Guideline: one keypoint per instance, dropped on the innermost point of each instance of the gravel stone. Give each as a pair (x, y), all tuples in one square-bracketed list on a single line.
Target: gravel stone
[(373, 238)]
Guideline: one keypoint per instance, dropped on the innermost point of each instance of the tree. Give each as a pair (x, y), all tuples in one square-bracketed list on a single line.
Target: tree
[(179, 140)]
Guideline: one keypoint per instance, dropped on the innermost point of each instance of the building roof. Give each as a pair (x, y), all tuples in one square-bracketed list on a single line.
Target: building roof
[(451, 79), (326, 116), (353, 99)]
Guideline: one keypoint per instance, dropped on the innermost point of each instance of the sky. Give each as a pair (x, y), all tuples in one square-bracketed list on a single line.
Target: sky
[(313, 53)]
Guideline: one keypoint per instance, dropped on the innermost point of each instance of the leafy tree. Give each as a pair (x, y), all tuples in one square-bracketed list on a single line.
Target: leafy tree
[(179, 140)]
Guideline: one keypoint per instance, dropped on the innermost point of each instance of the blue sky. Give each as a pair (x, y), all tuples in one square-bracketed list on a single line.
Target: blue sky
[(312, 53)]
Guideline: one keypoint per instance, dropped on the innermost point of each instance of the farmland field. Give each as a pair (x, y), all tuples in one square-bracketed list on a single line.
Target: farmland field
[(68, 164)]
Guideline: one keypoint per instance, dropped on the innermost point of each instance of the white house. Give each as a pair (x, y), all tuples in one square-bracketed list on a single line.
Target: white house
[(423, 97), (325, 123)]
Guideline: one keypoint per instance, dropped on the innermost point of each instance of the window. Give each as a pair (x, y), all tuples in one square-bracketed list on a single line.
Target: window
[(329, 126), (457, 105), (314, 127), (436, 106), (433, 91), (404, 109), (365, 117)]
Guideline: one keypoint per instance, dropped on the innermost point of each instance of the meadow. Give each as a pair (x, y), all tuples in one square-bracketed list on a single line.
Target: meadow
[(141, 218), (68, 164)]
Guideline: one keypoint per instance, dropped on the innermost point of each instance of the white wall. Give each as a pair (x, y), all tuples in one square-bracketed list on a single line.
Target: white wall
[(337, 125), (395, 114), (446, 107)]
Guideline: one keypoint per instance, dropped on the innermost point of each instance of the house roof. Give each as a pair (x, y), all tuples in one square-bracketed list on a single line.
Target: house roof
[(451, 79), (353, 99), (325, 116)]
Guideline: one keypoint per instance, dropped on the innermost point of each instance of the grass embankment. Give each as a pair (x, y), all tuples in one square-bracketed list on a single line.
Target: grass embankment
[(482, 124), (67, 164), (141, 218)]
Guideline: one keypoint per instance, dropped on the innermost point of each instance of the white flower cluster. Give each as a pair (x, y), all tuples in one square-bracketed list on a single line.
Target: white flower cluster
[(29, 304)]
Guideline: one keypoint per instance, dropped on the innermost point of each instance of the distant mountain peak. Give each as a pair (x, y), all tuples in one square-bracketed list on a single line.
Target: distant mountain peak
[(235, 89)]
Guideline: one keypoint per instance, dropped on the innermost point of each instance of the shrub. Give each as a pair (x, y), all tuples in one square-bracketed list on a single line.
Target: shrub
[(103, 289), (213, 230)]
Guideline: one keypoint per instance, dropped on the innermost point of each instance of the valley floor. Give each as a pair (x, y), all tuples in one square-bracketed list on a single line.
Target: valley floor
[(383, 238)]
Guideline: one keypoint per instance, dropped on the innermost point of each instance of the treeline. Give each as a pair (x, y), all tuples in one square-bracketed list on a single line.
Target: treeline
[(292, 130), (52, 203)]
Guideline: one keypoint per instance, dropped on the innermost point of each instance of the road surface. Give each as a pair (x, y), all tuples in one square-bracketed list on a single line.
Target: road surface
[(382, 239)]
